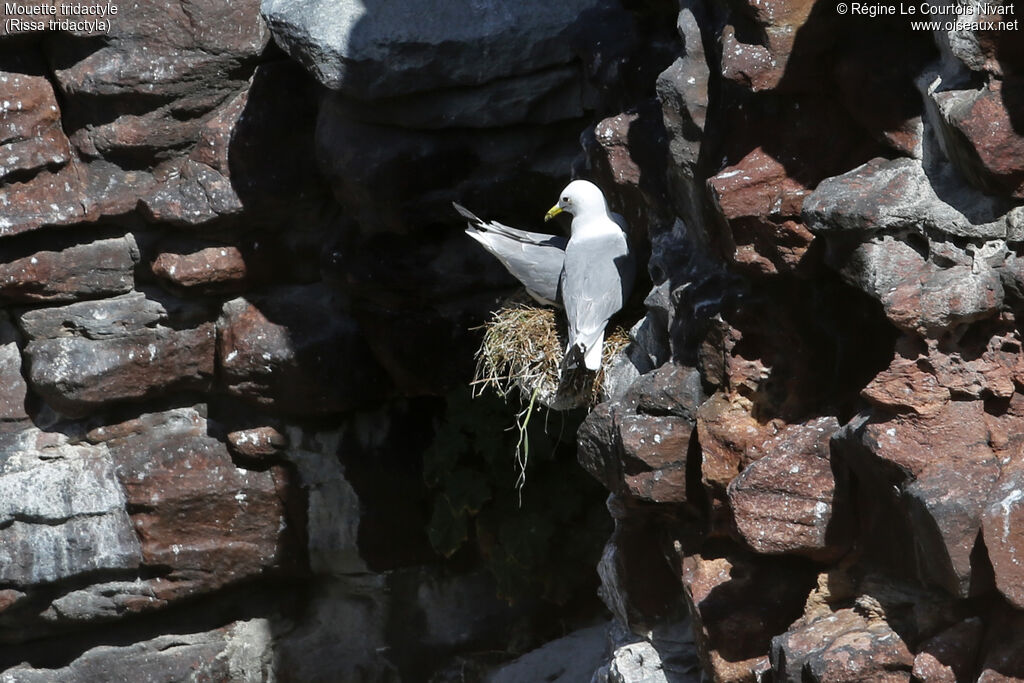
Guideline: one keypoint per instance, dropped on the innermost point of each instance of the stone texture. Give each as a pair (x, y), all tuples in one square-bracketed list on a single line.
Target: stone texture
[(184, 74), (789, 501), (14, 389), (779, 61), (897, 194), (76, 193), (63, 516), (196, 513), (940, 471), (210, 269), (638, 446), (982, 119), (1003, 523), (922, 294), (192, 194), (950, 655), (905, 385), (31, 138), (86, 355), (792, 280), (760, 204), (292, 350), (258, 442), (369, 52), (842, 646), (734, 619), (82, 271), (239, 652)]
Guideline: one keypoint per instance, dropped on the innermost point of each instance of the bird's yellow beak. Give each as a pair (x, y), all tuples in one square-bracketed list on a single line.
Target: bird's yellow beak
[(552, 212)]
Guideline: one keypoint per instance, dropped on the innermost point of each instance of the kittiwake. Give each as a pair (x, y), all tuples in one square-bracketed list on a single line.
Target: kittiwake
[(590, 274), (597, 275)]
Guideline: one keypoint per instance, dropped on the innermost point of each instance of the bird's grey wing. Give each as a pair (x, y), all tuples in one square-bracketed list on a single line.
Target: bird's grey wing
[(539, 238), (535, 259)]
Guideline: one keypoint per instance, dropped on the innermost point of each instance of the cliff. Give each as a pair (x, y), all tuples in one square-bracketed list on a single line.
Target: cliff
[(238, 319)]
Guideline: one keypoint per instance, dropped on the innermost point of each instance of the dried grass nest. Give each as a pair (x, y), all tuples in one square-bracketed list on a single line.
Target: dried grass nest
[(522, 349)]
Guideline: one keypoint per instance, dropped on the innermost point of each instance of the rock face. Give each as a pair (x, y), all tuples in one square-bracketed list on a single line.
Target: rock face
[(238, 317)]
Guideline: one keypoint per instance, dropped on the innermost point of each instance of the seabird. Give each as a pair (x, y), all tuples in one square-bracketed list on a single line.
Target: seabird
[(590, 274), (598, 272)]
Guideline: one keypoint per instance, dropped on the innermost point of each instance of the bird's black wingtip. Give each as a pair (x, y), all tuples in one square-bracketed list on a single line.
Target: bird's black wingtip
[(466, 213)]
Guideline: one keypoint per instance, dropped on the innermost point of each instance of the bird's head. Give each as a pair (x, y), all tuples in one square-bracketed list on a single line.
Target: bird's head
[(579, 197)]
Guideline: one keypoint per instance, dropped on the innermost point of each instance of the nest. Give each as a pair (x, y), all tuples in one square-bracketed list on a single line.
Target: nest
[(522, 350)]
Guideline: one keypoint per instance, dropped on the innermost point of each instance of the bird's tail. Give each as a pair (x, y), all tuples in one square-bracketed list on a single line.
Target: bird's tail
[(590, 347)]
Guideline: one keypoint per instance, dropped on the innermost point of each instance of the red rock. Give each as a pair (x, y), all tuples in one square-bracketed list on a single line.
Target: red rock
[(731, 438), (9, 598), (760, 204), (191, 194), (31, 137), (950, 656), (258, 442), (218, 268), (905, 386), (934, 299), (1003, 532), (978, 367), (77, 193), (983, 118), (734, 617), (626, 152), (787, 501), (764, 67), (197, 514), (157, 54), (942, 468), (187, 421), (214, 144), (654, 451), (840, 647), (613, 135), (83, 271)]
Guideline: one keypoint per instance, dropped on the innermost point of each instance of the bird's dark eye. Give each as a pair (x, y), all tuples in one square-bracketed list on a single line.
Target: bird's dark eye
[(565, 199)]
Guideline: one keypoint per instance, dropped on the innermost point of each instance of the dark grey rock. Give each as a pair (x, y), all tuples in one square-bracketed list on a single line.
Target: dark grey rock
[(113, 317), (293, 350), (62, 514), (554, 94), (380, 48), (897, 194), (85, 355), (12, 398), (240, 652), (571, 658)]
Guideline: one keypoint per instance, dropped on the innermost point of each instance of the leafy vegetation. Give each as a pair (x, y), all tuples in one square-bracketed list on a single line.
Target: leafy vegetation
[(549, 541)]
